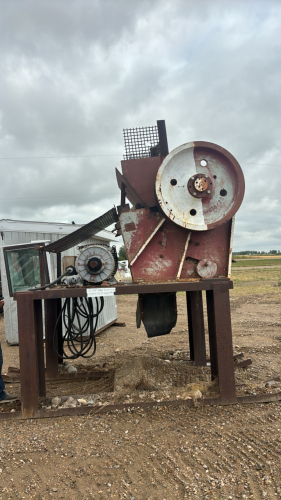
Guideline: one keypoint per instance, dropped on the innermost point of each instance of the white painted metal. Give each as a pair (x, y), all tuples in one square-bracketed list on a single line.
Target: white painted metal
[(183, 255), (20, 226), (182, 207), (175, 200), (108, 314)]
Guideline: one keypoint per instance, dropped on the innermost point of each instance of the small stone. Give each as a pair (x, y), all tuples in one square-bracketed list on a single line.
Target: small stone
[(271, 383), (56, 401), (197, 394), (71, 369), (55, 489), (82, 401), (70, 403)]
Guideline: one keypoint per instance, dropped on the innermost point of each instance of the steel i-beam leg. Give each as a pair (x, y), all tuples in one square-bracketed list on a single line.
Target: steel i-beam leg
[(28, 350), (40, 346), (50, 324), (59, 305), (220, 335), (196, 330)]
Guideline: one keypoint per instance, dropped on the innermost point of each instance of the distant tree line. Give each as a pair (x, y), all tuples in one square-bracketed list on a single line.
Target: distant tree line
[(122, 253), (254, 252)]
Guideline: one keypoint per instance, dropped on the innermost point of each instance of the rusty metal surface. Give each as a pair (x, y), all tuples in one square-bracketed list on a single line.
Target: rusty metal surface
[(28, 352), (83, 233), (232, 222), (176, 177), (38, 317), (64, 377), (212, 333), (50, 323), (200, 186), (125, 289), (107, 408), (167, 251), (196, 327), (164, 246), (67, 260), (206, 268), (243, 363), (30, 331), (163, 141), (147, 241), (141, 175), (220, 335), (212, 245), (130, 192)]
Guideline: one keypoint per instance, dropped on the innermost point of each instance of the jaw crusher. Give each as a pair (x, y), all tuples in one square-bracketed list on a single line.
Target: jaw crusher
[(179, 226)]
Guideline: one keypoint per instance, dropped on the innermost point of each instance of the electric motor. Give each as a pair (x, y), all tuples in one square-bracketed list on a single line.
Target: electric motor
[(97, 263)]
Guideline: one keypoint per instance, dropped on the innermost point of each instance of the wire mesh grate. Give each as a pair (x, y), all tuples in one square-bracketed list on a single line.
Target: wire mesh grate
[(141, 142)]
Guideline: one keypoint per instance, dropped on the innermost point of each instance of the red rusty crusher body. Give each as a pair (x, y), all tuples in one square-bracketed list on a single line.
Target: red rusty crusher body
[(180, 225)]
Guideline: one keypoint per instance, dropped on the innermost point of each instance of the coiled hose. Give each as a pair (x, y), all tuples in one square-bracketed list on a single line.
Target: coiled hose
[(78, 318)]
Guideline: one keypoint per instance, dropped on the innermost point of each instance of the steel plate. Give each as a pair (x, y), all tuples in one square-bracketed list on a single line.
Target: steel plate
[(179, 193)]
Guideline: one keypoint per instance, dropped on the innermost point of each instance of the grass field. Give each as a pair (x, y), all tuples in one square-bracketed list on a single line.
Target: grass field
[(256, 281), (255, 257), (257, 262)]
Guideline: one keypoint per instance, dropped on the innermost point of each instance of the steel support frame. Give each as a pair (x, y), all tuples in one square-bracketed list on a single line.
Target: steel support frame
[(196, 330), (32, 366)]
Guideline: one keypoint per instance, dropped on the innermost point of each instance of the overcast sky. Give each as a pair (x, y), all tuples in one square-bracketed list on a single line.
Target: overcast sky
[(75, 73)]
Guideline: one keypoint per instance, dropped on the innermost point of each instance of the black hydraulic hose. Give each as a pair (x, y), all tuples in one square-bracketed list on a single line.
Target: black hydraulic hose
[(69, 271), (78, 318)]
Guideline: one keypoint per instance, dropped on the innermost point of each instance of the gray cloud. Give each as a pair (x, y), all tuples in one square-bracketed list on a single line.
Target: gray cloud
[(74, 74)]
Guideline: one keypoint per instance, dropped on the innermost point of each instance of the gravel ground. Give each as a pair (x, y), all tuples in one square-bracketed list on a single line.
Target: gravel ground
[(169, 453), (210, 453)]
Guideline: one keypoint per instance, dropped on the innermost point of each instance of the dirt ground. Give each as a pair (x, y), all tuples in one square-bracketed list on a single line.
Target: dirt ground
[(162, 453)]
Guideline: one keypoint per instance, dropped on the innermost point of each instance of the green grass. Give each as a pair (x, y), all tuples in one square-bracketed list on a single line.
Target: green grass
[(256, 262), (268, 256), (256, 281)]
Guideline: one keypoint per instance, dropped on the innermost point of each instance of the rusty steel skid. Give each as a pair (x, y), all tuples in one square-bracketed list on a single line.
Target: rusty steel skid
[(31, 349), (107, 408)]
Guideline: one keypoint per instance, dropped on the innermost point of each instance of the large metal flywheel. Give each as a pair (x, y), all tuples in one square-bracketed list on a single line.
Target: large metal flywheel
[(199, 186)]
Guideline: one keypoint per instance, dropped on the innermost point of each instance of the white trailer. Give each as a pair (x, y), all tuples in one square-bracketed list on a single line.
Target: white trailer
[(14, 233)]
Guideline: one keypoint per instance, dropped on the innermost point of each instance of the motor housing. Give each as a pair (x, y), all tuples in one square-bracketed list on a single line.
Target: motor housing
[(97, 263)]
